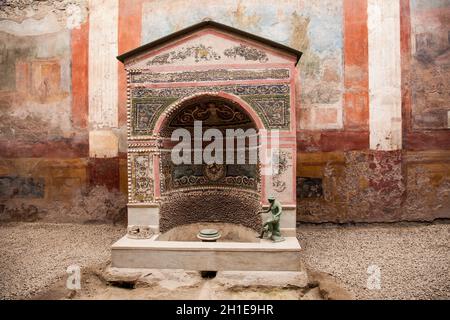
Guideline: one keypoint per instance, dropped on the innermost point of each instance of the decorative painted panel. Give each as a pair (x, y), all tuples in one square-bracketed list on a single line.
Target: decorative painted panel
[(191, 175), (309, 188), (21, 187)]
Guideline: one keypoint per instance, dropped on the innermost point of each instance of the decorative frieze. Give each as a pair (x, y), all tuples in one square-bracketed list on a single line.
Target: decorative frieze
[(198, 52), (153, 144), (145, 113), (246, 52), (208, 75), (273, 109), (191, 176), (271, 102), (237, 89)]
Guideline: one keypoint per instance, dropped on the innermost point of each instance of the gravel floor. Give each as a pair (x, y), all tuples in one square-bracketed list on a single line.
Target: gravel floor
[(413, 259), (33, 256)]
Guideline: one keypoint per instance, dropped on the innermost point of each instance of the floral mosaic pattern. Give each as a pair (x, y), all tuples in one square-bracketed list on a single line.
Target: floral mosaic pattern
[(142, 92), (271, 102), (191, 176), (213, 113), (145, 113), (246, 52), (208, 75), (274, 109), (141, 177), (199, 53)]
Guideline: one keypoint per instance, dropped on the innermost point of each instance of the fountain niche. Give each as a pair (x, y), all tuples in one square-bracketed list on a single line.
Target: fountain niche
[(219, 192), (228, 81)]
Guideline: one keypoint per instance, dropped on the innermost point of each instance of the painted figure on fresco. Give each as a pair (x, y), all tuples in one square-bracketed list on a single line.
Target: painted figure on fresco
[(272, 226)]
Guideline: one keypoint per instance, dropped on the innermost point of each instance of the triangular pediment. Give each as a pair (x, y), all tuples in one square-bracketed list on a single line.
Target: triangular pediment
[(209, 43)]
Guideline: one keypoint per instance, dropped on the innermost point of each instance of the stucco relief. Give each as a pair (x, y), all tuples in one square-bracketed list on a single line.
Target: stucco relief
[(145, 113), (210, 47)]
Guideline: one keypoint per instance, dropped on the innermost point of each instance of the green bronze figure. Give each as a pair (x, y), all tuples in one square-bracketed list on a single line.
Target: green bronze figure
[(272, 226)]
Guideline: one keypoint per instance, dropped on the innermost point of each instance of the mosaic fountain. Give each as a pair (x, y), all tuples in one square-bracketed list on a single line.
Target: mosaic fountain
[(227, 79)]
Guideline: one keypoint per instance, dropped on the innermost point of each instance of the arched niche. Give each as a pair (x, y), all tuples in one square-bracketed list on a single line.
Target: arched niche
[(209, 66)]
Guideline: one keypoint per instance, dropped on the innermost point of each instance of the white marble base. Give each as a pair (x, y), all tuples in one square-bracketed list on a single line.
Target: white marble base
[(213, 256)]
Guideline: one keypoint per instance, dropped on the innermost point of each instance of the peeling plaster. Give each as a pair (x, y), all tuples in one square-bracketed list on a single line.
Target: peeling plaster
[(69, 13), (31, 26)]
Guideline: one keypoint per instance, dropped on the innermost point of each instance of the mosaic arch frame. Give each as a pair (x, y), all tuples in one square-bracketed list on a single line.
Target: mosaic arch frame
[(185, 189), (263, 88)]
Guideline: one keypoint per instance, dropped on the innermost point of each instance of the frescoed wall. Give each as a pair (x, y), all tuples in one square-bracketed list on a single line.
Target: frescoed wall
[(372, 111)]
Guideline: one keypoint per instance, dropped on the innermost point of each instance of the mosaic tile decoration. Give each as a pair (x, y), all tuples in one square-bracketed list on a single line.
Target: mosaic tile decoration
[(199, 52), (145, 113), (186, 176), (271, 102), (208, 75), (246, 52), (141, 188)]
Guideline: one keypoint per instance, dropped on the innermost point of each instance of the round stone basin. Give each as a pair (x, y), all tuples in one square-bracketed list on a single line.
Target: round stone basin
[(228, 232), (208, 235)]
